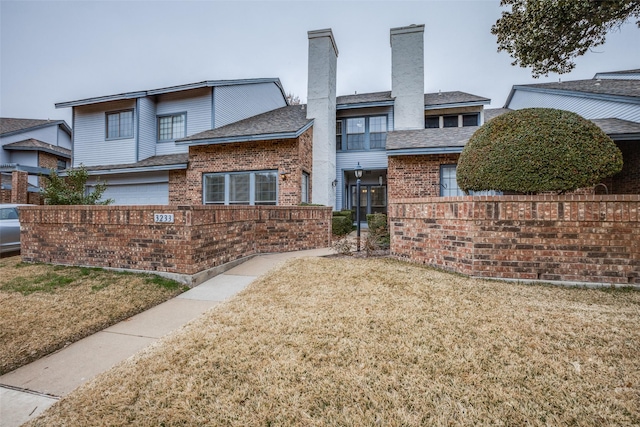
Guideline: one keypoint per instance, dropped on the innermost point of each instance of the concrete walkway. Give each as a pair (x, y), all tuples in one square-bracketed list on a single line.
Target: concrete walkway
[(31, 389)]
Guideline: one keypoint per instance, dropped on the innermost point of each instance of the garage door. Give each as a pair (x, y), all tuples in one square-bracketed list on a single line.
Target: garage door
[(138, 194)]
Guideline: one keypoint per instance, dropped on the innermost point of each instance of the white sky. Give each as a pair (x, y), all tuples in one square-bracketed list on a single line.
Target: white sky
[(55, 51)]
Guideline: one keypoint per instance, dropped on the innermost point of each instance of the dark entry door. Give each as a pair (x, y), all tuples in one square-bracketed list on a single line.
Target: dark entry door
[(373, 199)]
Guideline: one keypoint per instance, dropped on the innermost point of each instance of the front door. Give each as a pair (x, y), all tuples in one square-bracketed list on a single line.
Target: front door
[(373, 199)]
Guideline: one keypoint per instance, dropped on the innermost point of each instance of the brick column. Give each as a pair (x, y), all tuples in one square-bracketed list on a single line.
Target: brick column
[(19, 187)]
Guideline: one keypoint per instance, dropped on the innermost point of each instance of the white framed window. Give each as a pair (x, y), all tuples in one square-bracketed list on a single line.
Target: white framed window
[(119, 124), (304, 194), (240, 188), (449, 184), (172, 127)]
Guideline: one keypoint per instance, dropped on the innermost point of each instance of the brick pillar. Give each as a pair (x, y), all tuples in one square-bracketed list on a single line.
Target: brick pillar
[(19, 187)]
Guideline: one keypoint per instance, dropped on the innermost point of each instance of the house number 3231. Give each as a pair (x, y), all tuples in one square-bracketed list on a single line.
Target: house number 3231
[(163, 218)]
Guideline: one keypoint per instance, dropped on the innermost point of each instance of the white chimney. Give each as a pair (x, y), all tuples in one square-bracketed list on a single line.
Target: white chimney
[(407, 76), (321, 107)]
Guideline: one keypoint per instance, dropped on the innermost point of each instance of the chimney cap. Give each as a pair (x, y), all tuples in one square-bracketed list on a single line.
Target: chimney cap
[(326, 32)]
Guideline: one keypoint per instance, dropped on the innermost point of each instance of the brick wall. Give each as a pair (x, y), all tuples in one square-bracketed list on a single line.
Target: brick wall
[(200, 238), (573, 238), (628, 180), (416, 176), (19, 187), (291, 156), (178, 187)]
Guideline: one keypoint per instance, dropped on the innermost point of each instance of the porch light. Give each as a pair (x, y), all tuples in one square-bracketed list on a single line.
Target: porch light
[(358, 171)]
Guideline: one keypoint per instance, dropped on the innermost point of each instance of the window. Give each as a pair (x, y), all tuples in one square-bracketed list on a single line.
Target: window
[(305, 188), (61, 164), (120, 124), (452, 120), (355, 134), (431, 122), (448, 183), (377, 132), (361, 133), (240, 188), (172, 127)]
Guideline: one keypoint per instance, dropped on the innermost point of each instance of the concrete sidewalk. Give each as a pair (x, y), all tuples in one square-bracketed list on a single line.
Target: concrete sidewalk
[(31, 389)]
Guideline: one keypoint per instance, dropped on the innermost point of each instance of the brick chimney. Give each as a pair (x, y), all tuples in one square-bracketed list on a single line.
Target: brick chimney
[(321, 106), (407, 76)]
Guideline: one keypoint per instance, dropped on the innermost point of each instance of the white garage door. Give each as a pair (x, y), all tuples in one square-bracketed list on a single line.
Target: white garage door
[(138, 194)]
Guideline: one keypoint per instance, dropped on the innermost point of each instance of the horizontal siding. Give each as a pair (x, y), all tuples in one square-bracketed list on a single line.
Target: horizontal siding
[(369, 160), (233, 103), (64, 140), (196, 103), (586, 107), (90, 145), (147, 138), (48, 134)]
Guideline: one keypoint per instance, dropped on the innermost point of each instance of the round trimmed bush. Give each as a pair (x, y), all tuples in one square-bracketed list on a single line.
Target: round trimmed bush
[(537, 150)]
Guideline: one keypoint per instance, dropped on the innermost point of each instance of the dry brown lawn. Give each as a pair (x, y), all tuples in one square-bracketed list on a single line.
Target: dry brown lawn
[(362, 342), (44, 308)]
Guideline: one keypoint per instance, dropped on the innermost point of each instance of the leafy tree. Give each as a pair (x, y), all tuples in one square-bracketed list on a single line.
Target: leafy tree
[(537, 150), (72, 189), (547, 34)]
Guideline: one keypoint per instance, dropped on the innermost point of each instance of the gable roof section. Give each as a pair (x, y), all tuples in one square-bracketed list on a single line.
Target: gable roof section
[(619, 129), (431, 100), (286, 122), (11, 126), (155, 163), (429, 141), (449, 99), (37, 145), (143, 93), (621, 90)]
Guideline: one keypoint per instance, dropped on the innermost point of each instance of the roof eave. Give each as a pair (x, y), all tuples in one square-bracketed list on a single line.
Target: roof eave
[(45, 150), (576, 93), (246, 138), (624, 136), (365, 105), (159, 168), (44, 125), (33, 170), (424, 150), (457, 105)]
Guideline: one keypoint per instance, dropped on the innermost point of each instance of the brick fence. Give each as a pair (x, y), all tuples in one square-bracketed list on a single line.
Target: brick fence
[(200, 237), (575, 238)]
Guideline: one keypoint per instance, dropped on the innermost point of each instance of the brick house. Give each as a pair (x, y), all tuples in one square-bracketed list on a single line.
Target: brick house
[(238, 142), (32, 147)]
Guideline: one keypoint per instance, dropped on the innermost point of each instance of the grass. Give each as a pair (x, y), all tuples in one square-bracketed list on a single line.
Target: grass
[(44, 308), (324, 342)]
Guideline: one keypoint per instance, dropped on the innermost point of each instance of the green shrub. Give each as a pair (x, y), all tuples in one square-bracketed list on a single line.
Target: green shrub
[(378, 236), (345, 213), (537, 150), (341, 225)]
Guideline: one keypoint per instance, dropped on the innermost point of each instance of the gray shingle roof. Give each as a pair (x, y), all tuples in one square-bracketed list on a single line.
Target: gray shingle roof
[(429, 138), (430, 99), (364, 98), (455, 97), (10, 125), (166, 160), (617, 126), (36, 145), (282, 122), (491, 113), (627, 88)]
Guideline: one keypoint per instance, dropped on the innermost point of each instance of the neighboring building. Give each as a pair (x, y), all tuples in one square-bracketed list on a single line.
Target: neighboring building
[(611, 100), (129, 139), (32, 146)]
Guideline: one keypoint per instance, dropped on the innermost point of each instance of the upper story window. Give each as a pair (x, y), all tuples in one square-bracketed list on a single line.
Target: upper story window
[(172, 127), (241, 188), (361, 133), (120, 124), (452, 120)]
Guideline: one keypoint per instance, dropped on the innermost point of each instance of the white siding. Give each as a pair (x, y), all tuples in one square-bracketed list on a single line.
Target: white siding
[(147, 137), (137, 189), (48, 134), (233, 103), (90, 145), (589, 108), (196, 103), (369, 160)]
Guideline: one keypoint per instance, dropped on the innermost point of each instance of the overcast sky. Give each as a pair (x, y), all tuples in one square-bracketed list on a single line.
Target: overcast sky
[(55, 51)]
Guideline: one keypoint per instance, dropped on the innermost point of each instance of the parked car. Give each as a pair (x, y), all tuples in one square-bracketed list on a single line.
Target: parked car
[(9, 228)]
